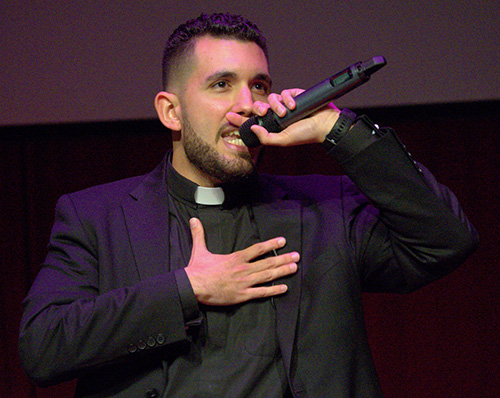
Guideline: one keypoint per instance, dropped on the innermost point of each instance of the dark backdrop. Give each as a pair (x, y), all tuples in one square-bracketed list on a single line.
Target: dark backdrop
[(441, 341), (80, 60)]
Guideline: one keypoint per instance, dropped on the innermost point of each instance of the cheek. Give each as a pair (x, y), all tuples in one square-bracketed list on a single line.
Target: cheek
[(211, 118), (206, 115), (210, 110)]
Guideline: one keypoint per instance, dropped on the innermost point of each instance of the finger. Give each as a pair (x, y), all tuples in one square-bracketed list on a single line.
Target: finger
[(261, 248), (276, 104), (270, 275), (275, 261), (272, 268), (263, 291), (289, 95), (236, 119), (269, 138), (260, 108), (198, 234)]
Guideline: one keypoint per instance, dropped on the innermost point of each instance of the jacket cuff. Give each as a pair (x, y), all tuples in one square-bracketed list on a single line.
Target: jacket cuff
[(362, 134), (189, 304)]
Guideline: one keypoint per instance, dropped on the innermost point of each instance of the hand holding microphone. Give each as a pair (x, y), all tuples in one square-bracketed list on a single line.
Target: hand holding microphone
[(313, 99)]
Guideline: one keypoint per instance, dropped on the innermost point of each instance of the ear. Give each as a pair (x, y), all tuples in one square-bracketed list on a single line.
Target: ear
[(168, 108)]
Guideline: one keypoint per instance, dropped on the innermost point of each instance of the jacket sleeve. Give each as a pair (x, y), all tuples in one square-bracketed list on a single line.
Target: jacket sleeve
[(420, 232), (73, 322)]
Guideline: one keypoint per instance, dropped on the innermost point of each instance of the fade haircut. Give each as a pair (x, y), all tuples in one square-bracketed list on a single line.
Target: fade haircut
[(181, 42)]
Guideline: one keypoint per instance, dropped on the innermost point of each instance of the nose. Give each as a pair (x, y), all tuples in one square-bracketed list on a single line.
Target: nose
[(244, 102)]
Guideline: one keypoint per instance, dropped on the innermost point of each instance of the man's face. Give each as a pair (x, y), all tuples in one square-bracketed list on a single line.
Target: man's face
[(226, 76)]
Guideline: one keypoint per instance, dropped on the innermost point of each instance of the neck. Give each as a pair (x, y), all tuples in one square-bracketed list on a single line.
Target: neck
[(186, 169)]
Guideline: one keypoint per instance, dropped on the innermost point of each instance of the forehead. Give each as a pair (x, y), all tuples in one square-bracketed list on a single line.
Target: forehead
[(215, 54)]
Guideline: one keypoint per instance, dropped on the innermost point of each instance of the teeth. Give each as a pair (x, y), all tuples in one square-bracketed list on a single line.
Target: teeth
[(234, 138)]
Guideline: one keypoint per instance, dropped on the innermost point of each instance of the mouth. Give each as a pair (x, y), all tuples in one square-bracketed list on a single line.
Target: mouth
[(233, 138)]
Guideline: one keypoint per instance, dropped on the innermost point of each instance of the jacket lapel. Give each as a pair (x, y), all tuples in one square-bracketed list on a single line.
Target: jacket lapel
[(146, 215)]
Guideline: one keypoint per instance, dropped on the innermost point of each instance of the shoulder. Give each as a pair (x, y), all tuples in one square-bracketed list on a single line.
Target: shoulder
[(114, 194), (312, 187)]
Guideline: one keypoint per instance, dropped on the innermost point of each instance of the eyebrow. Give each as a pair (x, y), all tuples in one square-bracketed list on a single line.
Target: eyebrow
[(220, 74), (264, 77), (232, 75)]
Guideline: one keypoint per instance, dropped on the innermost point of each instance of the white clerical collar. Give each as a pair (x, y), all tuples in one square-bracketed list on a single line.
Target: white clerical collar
[(209, 196)]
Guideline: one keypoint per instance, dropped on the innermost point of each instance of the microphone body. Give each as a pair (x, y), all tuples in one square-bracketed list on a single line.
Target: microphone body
[(313, 99)]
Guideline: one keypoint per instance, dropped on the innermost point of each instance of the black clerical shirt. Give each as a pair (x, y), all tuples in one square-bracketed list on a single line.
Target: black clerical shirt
[(233, 350)]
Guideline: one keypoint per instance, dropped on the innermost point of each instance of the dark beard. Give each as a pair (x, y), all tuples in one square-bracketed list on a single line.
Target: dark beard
[(206, 159)]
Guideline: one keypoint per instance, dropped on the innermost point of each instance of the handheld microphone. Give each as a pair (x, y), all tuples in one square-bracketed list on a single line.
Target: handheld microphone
[(313, 99)]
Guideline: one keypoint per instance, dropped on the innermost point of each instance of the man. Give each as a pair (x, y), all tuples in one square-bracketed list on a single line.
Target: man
[(205, 279)]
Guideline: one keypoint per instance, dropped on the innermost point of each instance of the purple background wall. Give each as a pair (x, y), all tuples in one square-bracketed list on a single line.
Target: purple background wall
[(86, 60)]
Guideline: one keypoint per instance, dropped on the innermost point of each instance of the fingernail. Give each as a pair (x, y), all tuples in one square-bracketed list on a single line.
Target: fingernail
[(281, 242), (295, 257), (192, 223)]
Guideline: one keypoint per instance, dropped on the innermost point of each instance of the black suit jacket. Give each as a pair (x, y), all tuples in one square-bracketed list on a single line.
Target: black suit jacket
[(105, 306)]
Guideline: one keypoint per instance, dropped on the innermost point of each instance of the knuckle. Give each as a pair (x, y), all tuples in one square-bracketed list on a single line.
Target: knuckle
[(237, 271), (261, 293), (260, 249), (268, 276), (267, 262), (236, 258)]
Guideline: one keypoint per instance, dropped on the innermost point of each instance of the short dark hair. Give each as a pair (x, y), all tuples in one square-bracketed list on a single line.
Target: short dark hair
[(226, 26)]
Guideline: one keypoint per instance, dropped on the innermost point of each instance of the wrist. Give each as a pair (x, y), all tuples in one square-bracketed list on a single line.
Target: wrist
[(339, 129)]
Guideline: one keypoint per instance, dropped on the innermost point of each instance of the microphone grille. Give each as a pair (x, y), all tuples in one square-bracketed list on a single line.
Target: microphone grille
[(247, 135)]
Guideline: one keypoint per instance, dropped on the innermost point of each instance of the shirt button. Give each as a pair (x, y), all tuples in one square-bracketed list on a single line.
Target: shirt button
[(153, 393), (141, 344), (151, 342), (132, 348)]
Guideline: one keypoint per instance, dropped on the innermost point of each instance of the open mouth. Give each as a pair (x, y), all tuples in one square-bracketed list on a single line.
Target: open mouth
[(233, 138)]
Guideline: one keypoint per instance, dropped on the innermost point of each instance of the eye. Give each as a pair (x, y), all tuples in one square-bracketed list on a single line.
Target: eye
[(262, 88), (220, 84)]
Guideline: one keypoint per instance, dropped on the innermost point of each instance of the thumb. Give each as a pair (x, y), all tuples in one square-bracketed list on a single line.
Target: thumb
[(198, 235)]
